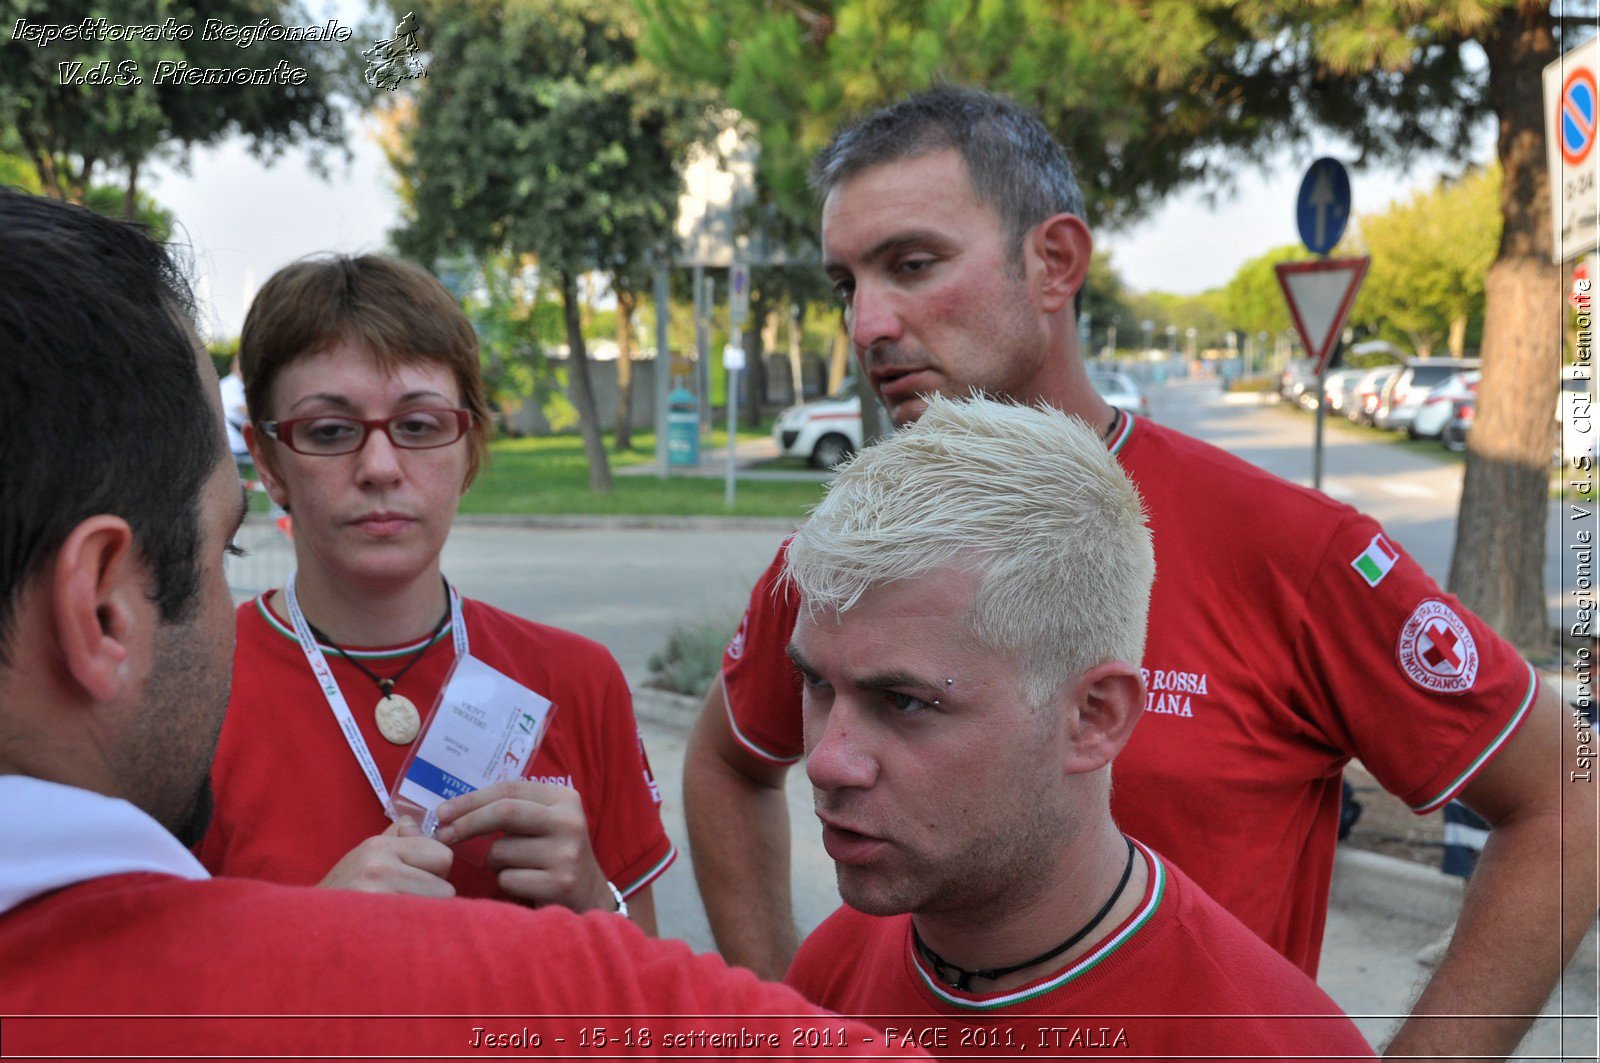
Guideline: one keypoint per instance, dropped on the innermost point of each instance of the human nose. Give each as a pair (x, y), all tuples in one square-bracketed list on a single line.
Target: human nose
[(378, 458), (874, 317), (838, 756)]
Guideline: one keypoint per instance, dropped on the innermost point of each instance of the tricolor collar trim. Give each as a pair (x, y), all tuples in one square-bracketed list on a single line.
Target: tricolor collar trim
[(368, 655), (1123, 433), (1154, 892)]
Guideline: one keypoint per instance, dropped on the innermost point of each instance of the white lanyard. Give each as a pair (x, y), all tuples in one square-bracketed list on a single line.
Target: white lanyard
[(330, 685)]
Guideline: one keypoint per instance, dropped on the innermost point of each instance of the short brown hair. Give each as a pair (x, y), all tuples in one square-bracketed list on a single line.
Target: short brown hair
[(395, 311)]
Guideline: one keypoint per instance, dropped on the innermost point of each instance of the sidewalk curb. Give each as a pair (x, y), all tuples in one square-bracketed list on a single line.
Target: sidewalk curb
[(665, 709), (1400, 888)]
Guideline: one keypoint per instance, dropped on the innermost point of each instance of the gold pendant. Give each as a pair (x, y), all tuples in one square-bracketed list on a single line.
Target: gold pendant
[(398, 719)]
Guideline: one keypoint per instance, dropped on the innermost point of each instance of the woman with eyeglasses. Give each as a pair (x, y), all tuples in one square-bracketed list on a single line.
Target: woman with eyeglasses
[(368, 422)]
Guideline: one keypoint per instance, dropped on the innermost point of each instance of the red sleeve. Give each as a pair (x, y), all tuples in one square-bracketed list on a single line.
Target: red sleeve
[(630, 843), (762, 688), (1423, 691)]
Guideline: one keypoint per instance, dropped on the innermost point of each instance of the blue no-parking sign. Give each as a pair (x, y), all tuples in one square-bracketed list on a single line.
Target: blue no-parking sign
[(1572, 111), (1576, 116)]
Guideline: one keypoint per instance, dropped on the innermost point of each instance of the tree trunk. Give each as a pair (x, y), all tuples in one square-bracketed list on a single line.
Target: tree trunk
[(130, 195), (797, 380), (874, 425), (755, 362), (1458, 336), (581, 388), (1498, 565), (627, 302), (838, 360)]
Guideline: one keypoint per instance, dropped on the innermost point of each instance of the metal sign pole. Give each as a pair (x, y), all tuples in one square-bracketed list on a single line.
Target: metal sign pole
[(662, 370), (733, 358), (1322, 407), (735, 339)]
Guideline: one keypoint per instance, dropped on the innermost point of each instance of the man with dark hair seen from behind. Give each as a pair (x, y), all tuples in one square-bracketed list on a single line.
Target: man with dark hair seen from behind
[(1288, 634), (116, 631)]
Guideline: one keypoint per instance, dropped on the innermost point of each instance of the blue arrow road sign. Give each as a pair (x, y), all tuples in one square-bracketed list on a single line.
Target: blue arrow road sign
[(1323, 206)]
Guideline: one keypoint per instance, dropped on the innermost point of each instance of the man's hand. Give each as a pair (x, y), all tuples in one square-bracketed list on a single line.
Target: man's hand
[(400, 860), (544, 857)]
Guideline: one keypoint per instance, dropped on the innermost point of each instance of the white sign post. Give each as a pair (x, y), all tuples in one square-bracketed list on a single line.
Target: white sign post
[(1571, 110)]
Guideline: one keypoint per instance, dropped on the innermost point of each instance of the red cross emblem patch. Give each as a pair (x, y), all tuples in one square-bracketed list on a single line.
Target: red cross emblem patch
[(1436, 650)]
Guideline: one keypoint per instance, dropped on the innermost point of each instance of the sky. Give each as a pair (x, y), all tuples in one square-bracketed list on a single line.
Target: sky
[(244, 219)]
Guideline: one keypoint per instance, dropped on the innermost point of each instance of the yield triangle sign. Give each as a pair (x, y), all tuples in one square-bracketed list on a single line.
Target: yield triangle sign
[(1319, 295)]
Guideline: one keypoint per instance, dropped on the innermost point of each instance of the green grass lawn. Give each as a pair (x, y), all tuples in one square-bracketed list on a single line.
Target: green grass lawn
[(548, 475)]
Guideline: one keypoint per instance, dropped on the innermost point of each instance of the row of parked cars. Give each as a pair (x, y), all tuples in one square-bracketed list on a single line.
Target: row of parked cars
[(826, 431), (1434, 398)]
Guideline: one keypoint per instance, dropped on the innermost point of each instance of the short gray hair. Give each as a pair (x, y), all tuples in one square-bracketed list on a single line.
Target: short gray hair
[(1016, 167), (1029, 499)]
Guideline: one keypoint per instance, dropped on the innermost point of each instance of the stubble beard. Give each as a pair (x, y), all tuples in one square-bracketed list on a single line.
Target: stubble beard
[(184, 704)]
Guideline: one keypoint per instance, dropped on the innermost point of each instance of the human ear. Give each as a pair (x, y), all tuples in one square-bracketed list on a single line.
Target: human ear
[(1105, 703), (98, 599), (1059, 251), (265, 470)]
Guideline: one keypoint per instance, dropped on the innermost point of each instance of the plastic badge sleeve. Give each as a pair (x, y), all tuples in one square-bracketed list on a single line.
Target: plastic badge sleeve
[(484, 727)]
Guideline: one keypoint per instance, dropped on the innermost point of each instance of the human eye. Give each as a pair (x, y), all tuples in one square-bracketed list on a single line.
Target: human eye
[(844, 288), (913, 264), (418, 426), (905, 704), (235, 550), (327, 431)]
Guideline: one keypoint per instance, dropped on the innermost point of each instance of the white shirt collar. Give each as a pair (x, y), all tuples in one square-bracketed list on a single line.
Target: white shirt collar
[(60, 835)]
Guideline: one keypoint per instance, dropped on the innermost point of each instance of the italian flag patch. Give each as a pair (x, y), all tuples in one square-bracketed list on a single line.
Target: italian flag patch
[(1375, 561)]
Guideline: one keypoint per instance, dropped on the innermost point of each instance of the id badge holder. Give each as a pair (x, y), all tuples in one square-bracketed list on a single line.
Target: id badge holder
[(484, 727)]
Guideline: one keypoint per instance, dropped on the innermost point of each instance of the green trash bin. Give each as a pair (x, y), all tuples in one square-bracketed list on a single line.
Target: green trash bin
[(683, 428)]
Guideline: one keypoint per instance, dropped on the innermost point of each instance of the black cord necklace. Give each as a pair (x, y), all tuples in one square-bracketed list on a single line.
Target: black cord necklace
[(398, 719), (1116, 422), (963, 977)]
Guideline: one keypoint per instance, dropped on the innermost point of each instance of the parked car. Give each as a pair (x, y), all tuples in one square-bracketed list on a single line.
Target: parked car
[(827, 431), (1119, 390), (1439, 408), (824, 431), (1454, 436), (1364, 397), (1299, 376), (1339, 388), (1404, 395)]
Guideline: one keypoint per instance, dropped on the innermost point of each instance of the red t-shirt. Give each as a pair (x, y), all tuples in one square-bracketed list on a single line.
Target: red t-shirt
[(1179, 978), (294, 972), (1287, 634), (292, 801)]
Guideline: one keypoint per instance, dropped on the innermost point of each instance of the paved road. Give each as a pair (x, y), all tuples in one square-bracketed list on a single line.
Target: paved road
[(1414, 495), (626, 587)]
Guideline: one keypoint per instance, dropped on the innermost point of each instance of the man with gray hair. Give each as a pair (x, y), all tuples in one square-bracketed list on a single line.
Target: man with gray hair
[(973, 598), (1288, 633)]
